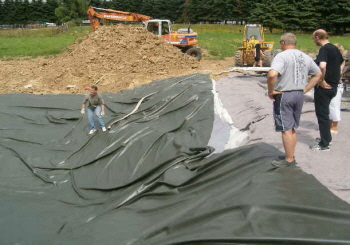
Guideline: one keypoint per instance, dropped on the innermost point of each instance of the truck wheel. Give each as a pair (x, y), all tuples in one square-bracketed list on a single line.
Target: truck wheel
[(239, 58), (275, 52), (267, 58), (195, 52)]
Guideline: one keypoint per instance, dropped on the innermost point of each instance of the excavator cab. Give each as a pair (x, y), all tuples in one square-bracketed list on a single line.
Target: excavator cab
[(159, 27), (186, 41), (153, 27)]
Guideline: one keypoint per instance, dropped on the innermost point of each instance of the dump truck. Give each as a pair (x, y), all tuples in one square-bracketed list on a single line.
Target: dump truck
[(252, 35), (184, 39)]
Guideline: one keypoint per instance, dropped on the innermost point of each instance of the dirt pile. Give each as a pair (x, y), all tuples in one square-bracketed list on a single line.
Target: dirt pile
[(116, 57)]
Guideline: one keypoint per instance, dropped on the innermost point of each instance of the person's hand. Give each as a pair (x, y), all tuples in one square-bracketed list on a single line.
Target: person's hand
[(82, 111), (103, 113), (325, 85), (271, 94)]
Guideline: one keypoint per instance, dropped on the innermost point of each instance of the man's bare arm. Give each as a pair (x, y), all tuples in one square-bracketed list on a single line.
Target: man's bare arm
[(313, 81), (271, 81), (322, 83), (342, 68)]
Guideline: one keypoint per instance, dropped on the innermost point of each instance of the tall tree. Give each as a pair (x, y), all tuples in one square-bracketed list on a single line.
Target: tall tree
[(339, 18), (200, 10), (35, 11), (146, 8), (71, 10), (97, 3), (221, 10), (308, 16), (268, 13), (326, 8), (26, 14), (289, 15), (21, 12), (2, 13), (239, 11), (9, 11), (184, 16), (247, 6), (39, 13), (49, 11)]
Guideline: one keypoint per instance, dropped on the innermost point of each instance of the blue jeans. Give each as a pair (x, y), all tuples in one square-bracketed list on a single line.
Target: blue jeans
[(90, 114)]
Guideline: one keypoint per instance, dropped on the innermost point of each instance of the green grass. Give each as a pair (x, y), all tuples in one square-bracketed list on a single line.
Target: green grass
[(306, 44), (219, 40), (44, 46), (223, 40), (220, 45), (40, 42)]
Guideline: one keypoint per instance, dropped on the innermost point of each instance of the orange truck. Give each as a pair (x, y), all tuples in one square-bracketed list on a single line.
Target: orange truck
[(184, 39)]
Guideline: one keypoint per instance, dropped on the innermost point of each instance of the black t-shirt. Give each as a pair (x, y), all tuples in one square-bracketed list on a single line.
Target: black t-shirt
[(257, 50), (331, 55)]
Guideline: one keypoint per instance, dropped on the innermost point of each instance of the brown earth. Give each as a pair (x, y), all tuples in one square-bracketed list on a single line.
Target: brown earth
[(114, 58)]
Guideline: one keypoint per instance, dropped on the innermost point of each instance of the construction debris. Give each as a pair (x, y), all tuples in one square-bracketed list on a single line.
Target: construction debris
[(245, 69)]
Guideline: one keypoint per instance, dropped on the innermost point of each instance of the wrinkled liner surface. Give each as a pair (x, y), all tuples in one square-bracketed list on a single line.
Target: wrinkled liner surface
[(150, 179)]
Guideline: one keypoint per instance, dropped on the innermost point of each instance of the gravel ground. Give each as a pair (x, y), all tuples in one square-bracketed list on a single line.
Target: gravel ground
[(244, 97)]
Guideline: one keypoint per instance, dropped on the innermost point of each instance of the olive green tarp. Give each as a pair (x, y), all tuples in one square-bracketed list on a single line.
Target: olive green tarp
[(152, 178)]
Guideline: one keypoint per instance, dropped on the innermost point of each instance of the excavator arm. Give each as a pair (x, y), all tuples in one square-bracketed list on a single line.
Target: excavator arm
[(111, 14)]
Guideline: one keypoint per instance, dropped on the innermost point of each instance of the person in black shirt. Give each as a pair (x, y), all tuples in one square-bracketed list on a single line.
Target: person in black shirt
[(330, 60), (257, 54)]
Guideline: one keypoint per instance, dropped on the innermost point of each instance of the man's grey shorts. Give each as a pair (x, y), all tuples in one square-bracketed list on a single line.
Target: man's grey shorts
[(287, 109)]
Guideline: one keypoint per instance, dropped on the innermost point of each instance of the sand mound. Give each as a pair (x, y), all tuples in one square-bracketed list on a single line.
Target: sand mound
[(117, 57)]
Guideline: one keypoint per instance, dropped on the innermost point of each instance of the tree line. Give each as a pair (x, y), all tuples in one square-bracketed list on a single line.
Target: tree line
[(304, 15)]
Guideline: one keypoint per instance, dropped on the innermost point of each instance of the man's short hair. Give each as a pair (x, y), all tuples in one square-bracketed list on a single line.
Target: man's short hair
[(289, 39), (94, 87), (321, 34)]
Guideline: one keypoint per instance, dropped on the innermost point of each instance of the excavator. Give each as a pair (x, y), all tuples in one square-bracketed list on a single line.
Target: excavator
[(184, 39)]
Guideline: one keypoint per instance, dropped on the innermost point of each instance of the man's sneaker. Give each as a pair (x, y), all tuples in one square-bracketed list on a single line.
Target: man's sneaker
[(92, 131), (104, 129), (281, 163), (318, 140), (317, 147)]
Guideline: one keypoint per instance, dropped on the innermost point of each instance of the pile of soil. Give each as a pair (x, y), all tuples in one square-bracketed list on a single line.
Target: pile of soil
[(114, 57)]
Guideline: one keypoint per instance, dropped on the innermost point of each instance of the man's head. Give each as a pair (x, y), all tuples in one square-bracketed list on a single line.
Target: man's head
[(93, 89), (288, 40), (320, 37)]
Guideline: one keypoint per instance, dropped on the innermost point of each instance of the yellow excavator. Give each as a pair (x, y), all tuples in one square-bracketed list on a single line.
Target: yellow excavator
[(252, 35)]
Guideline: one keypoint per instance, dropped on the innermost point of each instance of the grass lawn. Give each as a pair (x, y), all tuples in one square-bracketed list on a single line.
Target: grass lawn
[(219, 40), (33, 46), (223, 40), (38, 42)]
